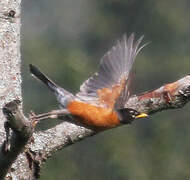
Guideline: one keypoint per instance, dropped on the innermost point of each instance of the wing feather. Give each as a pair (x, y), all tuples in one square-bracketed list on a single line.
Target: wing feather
[(110, 86)]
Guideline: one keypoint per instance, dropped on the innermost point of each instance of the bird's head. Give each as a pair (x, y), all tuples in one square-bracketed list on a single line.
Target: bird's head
[(127, 115)]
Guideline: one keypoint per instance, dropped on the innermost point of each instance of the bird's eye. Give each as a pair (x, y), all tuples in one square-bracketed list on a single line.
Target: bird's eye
[(133, 116), (134, 112)]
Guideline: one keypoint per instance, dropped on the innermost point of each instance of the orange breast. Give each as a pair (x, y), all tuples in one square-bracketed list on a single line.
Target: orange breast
[(92, 115)]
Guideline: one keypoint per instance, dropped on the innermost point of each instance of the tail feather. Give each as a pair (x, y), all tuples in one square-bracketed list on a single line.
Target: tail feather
[(37, 73), (62, 95)]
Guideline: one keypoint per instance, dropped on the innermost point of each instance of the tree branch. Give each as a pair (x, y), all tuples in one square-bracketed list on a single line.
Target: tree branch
[(169, 96)]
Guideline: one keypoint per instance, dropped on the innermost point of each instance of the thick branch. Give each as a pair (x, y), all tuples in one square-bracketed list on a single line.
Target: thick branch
[(173, 95), (15, 143), (10, 62)]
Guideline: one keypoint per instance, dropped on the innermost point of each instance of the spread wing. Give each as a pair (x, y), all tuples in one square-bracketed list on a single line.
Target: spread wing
[(109, 87)]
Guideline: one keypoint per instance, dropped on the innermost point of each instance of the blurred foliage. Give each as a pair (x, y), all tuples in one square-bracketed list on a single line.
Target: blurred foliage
[(67, 38)]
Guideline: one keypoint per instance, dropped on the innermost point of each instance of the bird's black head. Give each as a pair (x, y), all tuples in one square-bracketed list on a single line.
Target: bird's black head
[(127, 115)]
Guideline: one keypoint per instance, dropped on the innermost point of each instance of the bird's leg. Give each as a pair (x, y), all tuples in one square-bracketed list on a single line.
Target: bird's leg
[(52, 114)]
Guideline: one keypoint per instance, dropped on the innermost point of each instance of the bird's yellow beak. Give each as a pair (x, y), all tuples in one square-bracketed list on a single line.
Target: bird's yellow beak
[(142, 115)]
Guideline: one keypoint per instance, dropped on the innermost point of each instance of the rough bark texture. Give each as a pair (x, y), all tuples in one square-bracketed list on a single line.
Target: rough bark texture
[(28, 163), (10, 79), (15, 142)]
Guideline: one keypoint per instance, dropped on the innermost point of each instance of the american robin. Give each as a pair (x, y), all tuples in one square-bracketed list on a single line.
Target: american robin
[(102, 99)]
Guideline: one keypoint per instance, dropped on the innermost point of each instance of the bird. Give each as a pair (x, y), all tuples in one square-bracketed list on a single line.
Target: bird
[(101, 101)]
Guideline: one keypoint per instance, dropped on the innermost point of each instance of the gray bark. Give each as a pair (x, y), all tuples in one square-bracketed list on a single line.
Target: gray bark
[(10, 78), (10, 61), (29, 156)]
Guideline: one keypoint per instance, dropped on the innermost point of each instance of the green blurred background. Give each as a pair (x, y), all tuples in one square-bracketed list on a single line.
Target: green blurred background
[(67, 38)]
